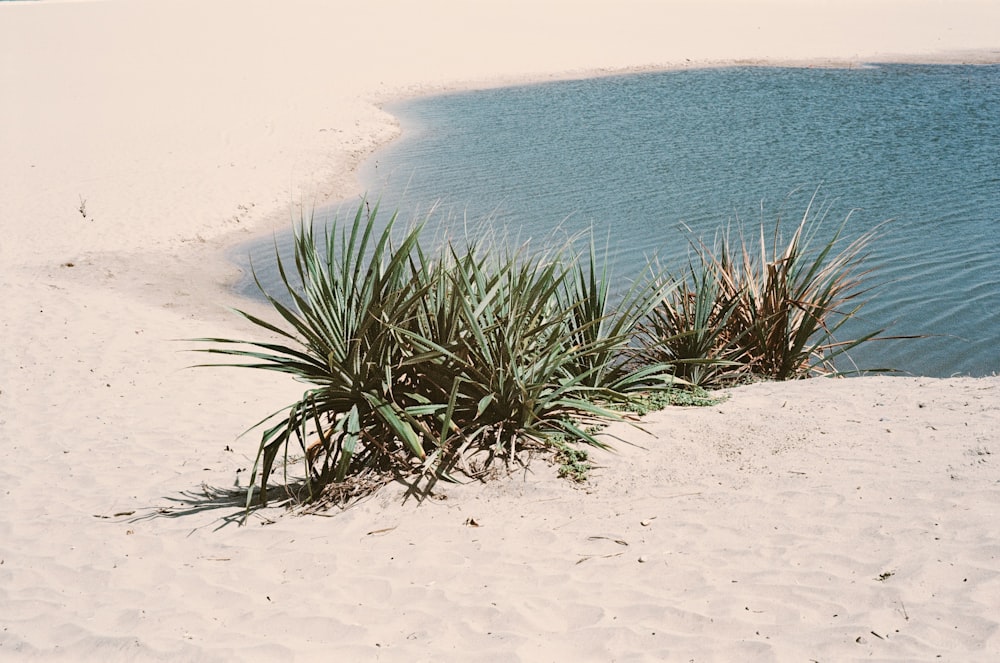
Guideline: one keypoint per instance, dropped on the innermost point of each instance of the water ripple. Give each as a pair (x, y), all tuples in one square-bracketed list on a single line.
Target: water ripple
[(637, 158)]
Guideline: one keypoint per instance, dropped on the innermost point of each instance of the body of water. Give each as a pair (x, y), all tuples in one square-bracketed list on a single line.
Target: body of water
[(645, 160)]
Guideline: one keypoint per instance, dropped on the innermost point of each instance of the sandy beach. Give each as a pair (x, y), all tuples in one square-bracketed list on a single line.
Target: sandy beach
[(821, 520)]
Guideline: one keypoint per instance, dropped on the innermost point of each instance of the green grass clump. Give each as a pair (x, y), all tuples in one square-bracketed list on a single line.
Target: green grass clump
[(692, 396), (574, 463), (773, 309), (416, 361)]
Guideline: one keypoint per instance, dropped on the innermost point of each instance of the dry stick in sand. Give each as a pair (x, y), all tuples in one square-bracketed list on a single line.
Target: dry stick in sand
[(584, 558)]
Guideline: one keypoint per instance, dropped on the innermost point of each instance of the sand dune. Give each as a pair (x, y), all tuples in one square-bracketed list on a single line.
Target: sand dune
[(820, 520)]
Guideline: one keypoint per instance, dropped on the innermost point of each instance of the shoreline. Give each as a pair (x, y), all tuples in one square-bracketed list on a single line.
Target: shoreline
[(949, 359), (979, 57), (355, 188), (929, 359), (379, 100), (140, 139)]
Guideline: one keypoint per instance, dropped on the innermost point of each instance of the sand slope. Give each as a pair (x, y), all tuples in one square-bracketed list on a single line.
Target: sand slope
[(139, 139)]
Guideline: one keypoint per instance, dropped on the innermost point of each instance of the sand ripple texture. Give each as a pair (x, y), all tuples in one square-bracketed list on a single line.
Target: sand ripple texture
[(821, 520)]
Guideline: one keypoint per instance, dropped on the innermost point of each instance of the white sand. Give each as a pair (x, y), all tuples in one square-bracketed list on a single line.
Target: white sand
[(773, 520)]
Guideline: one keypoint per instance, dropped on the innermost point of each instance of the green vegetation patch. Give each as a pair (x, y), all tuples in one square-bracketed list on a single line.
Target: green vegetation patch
[(415, 361)]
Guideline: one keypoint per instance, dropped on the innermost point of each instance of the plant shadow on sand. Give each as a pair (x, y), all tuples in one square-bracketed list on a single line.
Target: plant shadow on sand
[(196, 501), (337, 497), (233, 500)]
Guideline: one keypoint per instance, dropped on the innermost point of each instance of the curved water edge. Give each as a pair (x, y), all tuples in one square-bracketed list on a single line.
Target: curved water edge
[(639, 158)]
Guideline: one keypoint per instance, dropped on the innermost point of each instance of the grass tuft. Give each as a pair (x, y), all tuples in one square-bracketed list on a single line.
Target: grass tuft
[(415, 361), (763, 308), (420, 364)]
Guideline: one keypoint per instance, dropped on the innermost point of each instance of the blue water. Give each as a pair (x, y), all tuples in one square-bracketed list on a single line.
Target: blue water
[(639, 157)]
